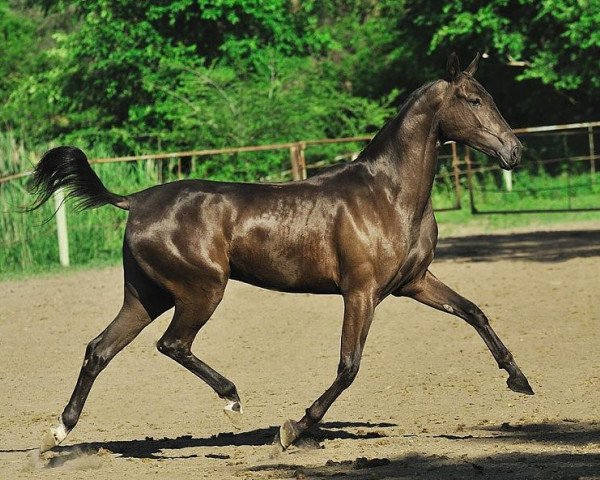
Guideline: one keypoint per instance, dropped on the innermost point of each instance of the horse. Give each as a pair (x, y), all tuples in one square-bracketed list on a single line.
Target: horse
[(364, 230)]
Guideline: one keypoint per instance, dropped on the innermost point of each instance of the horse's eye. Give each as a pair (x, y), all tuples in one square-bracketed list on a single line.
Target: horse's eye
[(476, 102)]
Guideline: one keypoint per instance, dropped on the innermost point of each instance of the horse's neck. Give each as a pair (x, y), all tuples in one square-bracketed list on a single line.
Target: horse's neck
[(403, 156)]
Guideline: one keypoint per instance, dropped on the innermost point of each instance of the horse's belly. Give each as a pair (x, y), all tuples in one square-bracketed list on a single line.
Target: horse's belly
[(291, 269)]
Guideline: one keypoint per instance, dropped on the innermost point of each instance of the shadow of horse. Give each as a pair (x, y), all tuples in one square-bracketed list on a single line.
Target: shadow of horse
[(505, 466), (152, 448), (546, 465), (502, 466)]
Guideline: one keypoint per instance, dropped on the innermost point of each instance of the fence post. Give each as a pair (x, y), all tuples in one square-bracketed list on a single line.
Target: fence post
[(569, 168), (507, 175), (456, 172), (592, 153), (159, 170), (302, 160), (159, 164), (61, 227), (470, 178), (296, 171)]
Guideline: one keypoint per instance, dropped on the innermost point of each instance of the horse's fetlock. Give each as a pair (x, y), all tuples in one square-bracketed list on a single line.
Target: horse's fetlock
[(229, 391), (314, 414), (506, 362), (69, 419)]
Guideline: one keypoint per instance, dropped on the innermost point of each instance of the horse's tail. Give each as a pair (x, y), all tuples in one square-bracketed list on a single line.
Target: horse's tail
[(68, 167)]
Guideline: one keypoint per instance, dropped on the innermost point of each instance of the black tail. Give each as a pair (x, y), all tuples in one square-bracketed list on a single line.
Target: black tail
[(68, 167)]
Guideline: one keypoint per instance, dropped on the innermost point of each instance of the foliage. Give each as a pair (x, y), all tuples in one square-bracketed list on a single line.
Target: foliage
[(124, 76), (122, 72), (17, 34), (552, 46), (558, 41), (106, 70)]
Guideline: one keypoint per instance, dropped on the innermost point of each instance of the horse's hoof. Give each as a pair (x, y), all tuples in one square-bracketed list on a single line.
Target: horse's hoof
[(54, 436), (288, 433), (519, 384), (233, 411)]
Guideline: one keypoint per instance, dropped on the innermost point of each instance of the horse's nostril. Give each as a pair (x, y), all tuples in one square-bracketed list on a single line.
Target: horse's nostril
[(516, 153)]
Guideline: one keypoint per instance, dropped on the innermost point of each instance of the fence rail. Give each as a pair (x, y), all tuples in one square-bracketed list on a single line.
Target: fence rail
[(460, 172), (297, 149)]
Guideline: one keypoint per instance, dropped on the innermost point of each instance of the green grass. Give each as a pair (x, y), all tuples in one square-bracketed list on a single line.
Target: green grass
[(538, 191), (453, 222), (28, 241)]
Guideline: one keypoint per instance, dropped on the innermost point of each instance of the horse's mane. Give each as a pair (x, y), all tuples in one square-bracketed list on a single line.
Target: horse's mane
[(385, 136)]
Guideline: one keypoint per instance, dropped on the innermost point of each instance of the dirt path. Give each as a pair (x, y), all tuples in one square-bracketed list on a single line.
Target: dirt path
[(429, 400)]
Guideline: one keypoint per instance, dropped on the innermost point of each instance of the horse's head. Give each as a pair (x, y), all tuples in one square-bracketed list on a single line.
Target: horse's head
[(469, 115)]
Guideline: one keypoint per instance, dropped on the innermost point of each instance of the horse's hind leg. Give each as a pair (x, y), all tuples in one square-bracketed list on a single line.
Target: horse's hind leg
[(434, 293), (143, 302), (191, 314)]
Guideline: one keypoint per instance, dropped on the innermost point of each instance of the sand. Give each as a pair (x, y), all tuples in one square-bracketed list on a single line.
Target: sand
[(429, 401)]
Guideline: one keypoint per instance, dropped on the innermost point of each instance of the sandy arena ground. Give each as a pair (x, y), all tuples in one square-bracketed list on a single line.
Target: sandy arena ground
[(429, 401)]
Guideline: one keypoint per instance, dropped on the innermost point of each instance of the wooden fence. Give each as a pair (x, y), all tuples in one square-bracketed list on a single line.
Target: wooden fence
[(298, 167)]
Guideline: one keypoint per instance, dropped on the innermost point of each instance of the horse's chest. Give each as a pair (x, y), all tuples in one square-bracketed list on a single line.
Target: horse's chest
[(413, 254)]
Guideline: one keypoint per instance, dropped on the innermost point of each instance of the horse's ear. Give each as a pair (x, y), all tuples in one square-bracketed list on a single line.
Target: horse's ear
[(452, 67), (472, 68)]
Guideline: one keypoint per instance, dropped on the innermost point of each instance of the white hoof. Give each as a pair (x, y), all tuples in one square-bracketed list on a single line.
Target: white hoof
[(233, 411), (54, 436)]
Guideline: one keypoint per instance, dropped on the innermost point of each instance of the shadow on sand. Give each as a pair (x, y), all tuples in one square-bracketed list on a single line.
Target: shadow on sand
[(543, 466), (532, 246), (152, 448), (503, 466), (559, 464)]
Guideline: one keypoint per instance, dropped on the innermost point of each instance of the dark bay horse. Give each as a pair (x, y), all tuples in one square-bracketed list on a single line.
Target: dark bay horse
[(363, 230)]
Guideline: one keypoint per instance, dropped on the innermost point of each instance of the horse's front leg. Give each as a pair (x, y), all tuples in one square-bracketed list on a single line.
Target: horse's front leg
[(358, 315), (434, 293)]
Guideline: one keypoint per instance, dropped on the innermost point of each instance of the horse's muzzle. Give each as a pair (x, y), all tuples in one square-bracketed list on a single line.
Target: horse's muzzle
[(510, 155)]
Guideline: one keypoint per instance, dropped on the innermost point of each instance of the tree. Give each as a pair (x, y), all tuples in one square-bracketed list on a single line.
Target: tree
[(552, 46), (17, 33), (126, 72)]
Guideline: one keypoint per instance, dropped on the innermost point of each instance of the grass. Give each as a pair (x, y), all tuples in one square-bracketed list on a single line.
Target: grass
[(542, 192), (455, 222), (28, 241)]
